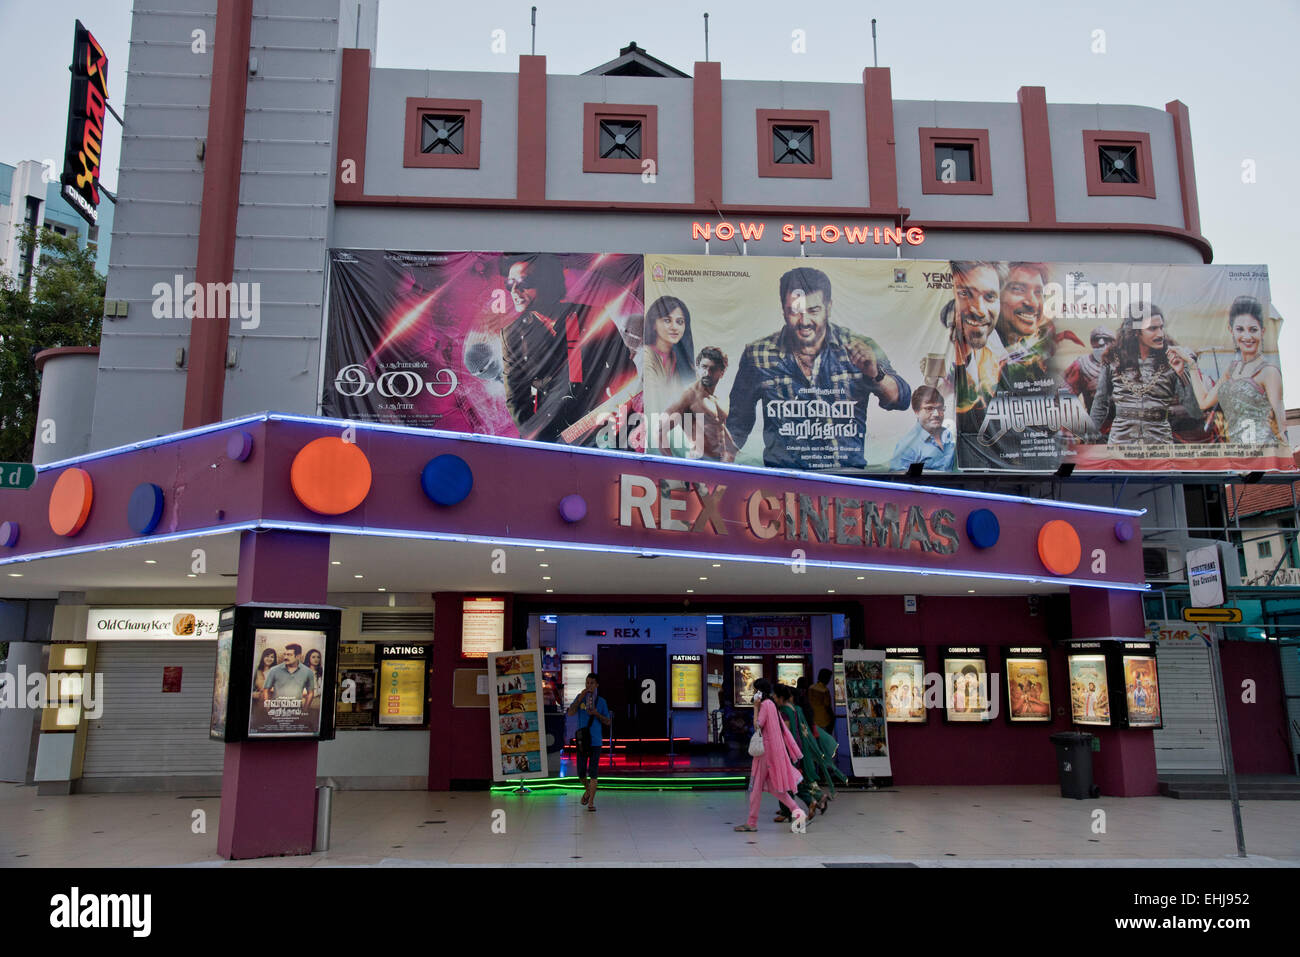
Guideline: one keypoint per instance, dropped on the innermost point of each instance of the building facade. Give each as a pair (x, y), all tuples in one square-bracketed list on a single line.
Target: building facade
[(210, 476)]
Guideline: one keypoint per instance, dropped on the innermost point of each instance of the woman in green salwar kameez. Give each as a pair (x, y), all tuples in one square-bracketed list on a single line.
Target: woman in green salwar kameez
[(817, 765)]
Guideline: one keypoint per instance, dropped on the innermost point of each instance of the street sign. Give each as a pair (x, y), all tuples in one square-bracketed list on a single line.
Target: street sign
[(17, 475), (1222, 616)]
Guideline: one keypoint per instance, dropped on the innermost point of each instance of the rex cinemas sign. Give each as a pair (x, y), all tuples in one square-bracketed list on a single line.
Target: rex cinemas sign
[(87, 106)]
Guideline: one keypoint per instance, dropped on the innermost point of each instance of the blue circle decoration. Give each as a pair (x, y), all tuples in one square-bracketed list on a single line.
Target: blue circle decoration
[(239, 446), (145, 509), (447, 479), (9, 534), (1123, 530), (573, 508), (982, 528)]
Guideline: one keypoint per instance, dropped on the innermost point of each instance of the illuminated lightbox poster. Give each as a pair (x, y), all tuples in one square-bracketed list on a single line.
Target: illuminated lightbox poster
[(1142, 691), (401, 684), (841, 699), (864, 687), (790, 670), (688, 681), (744, 672), (966, 685), (288, 683), (1089, 692), (1029, 697), (905, 690), (515, 680), (482, 627)]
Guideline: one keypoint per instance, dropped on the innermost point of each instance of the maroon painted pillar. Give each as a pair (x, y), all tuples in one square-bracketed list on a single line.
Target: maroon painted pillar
[(460, 739), (1126, 764), (268, 788)]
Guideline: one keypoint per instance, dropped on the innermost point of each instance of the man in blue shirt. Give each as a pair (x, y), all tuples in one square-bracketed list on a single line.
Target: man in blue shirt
[(929, 443), (593, 716), (813, 381)]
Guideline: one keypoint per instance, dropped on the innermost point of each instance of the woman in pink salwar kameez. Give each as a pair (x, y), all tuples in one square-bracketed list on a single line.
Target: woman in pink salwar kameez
[(774, 770)]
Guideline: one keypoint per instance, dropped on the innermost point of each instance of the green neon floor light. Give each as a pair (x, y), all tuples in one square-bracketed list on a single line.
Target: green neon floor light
[(628, 784)]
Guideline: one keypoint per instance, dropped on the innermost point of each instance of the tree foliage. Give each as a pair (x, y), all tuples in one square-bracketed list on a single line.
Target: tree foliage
[(65, 308)]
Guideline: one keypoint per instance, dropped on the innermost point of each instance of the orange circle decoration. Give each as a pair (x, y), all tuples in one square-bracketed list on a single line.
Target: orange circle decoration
[(1058, 547), (70, 501), (330, 476)]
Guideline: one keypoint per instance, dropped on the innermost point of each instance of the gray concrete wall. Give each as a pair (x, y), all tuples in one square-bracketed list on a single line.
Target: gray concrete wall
[(1067, 122), (141, 391), (675, 170), (68, 402), (1008, 202), (386, 123), (741, 183)]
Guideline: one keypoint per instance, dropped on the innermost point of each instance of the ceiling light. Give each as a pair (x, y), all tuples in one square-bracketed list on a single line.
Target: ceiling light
[(970, 591), (690, 591), (151, 561), (539, 549), (358, 576), (336, 563), (549, 590), (15, 574), (383, 589), (704, 578), (862, 578), (546, 578), (830, 591), (191, 575), (543, 565), (717, 566)]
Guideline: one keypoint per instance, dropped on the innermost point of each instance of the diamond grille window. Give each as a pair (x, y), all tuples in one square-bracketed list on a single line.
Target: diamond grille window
[(1119, 164), (792, 145), (620, 139), (954, 163), (441, 133)]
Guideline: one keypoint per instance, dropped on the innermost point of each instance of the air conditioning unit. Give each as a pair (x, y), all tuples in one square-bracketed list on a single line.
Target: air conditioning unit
[(1162, 564)]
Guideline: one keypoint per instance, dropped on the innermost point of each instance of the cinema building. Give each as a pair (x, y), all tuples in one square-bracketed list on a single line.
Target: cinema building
[(333, 432)]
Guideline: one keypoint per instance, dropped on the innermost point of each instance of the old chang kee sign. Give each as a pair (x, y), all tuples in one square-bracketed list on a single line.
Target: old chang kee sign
[(790, 516)]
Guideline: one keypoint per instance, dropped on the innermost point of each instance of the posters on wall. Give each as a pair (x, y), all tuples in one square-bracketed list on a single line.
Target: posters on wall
[(767, 633), (865, 691), (482, 626), (1142, 691), (827, 364), (401, 684), (789, 671), (221, 677), (356, 704), (288, 676), (514, 682), (841, 694), (1089, 691), (687, 681), (967, 685), (905, 688), (1029, 697), (744, 672)]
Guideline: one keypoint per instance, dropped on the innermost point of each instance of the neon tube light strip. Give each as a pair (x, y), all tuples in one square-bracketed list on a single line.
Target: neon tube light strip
[(578, 450), (368, 532)]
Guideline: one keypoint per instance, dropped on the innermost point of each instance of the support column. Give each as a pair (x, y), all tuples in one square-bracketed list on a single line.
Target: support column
[(460, 739), (1126, 764), (268, 788)]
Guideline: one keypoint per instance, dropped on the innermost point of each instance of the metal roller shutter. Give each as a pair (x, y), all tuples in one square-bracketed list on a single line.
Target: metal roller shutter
[(144, 731), (1189, 740)]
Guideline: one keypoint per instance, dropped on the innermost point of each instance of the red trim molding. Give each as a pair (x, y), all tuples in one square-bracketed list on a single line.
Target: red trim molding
[(882, 164), (978, 140), (593, 113), (46, 354), (819, 120), (1146, 184), (470, 111), (1040, 186), (1150, 229), (708, 133), (1186, 168), (205, 381), (530, 143), (354, 118)]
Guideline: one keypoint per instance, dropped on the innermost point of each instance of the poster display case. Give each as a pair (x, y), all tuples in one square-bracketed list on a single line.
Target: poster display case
[(790, 668), (1089, 684), (868, 732), (905, 685), (687, 680), (1029, 697), (518, 742), (967, 685), (1137, 662), (745, 670), (401, 696)]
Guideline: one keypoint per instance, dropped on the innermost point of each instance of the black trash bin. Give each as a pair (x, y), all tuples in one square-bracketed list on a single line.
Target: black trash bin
[(1074, 764)]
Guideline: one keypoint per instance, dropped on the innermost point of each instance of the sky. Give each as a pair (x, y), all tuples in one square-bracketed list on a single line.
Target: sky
[(1233, 65)]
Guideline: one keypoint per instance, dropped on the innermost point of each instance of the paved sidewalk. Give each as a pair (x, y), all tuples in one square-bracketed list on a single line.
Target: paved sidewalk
[(924, 826)]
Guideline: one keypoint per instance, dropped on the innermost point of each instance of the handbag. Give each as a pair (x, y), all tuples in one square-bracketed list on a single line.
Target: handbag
[(756, 744)]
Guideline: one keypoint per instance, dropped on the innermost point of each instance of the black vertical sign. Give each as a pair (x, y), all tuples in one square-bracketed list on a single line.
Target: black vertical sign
[(87, 107)]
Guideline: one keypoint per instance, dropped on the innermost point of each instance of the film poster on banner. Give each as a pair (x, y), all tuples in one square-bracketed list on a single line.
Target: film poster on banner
[(868, 732), (518, 731)]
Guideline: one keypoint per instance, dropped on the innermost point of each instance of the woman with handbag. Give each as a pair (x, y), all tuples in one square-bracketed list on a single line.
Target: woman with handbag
[(593, 715), (774, 751)]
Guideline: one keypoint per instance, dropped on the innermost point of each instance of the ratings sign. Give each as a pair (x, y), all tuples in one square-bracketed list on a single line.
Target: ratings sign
[(17, 475)]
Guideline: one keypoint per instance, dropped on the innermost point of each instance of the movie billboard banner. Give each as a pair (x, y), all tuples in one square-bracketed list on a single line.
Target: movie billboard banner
[(536, 346), (817, 364)]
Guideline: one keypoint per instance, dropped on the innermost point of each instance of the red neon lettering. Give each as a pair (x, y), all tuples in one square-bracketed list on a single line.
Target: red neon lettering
[(752, 231), (830, 234), (731, 230), (915, 235), (701, 230), (807, 234), (787, 233), (857, 234), (894, 236)]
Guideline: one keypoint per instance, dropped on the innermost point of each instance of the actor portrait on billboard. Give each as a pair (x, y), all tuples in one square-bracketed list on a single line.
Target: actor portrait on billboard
[(930, 443), (1139, 386), (977, 350), (704, 417), (812, 381), (287, 703), (557, 367), (1082, 375)]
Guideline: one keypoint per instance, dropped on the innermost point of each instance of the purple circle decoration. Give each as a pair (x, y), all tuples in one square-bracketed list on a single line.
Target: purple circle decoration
[(573, 508), (239, 446), (9, 534), (1124, 530)]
